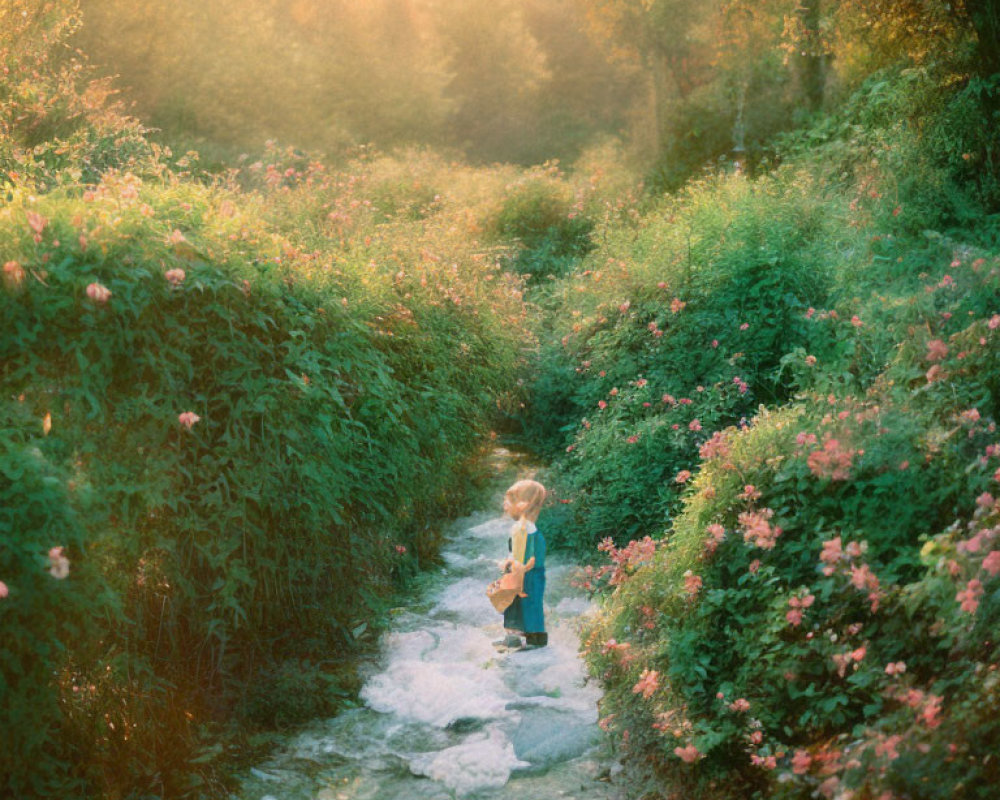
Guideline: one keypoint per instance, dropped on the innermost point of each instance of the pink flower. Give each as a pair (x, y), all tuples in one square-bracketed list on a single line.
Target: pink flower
[(677, 305), (176, 237), (692, 583), (715, 343), (895, 668), (931, 710), (401, 549), (632, 439), (863, 578), (994, 322), (757, 530), (98, 293), (992, 563), (175, 277), (744, 326), (856, 321), (754, 566), (985, 500), (794, 617), (936, 350), (764, 762), (687, 754), (669, 399), (694, 425), (805, 438), (888, 748), (13, 274), (649, 682), (740, 705), (36, 222), (935, 373), (602, 404), (58, 563), (188, 419), (4, 591), (801, 762), (810, 361), (969, 597), (832, 553), (683, 476)]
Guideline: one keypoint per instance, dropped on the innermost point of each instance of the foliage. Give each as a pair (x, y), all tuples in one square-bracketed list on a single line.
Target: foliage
[(236, 431)]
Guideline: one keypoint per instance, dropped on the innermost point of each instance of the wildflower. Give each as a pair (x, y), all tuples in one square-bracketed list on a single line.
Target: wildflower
[(669, 399), (765, 762), (13, 274), (969, 597), (676, 305), (715, 343), (744, 326), (805, 438), (935, 373), (649, 682), (800, 762), (4, 591), (37, 223), (739, 705), (602, 404), (401, 549), (856, 321), (992, 563), (683, 476), (716, 535), (757, 530), (692, 583), (863, 578), (98, 293), (188, 419), (994, 322), (58, 563), (754, 566), (794, 617), (687, 754), (895, 668), (931, 710), (936, 350), (694, 425), (809, 312), (985, 500), (832, 553), (632, 439), (175, 277), (750, 492), (176, 237), (833, 461), (716, 447)]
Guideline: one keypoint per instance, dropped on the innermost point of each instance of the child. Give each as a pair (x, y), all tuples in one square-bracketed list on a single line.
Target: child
[(523, 501)]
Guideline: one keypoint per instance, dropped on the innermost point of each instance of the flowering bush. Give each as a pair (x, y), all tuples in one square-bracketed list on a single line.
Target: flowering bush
[(213, 430)]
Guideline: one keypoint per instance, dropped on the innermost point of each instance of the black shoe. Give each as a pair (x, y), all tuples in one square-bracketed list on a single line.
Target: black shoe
[(533, 640)]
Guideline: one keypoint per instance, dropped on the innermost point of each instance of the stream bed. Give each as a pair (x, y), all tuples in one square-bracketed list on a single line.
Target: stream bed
[(446, 715)]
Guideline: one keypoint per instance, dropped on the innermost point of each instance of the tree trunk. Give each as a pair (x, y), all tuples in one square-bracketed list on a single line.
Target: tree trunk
[(812, 60), (985, 18)]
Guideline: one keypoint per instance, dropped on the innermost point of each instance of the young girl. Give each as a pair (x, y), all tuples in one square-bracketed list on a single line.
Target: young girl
[(523, 501)]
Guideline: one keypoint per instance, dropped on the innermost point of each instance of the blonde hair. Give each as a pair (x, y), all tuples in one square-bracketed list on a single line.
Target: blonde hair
[(526, 499)]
